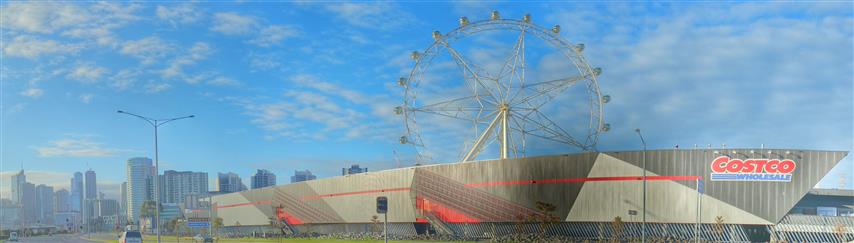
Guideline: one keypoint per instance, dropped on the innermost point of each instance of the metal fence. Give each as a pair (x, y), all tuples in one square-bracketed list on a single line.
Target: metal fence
[(813, 228)]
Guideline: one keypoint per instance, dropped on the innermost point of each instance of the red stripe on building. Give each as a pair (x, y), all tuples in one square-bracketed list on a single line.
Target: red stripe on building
[(289, 218), (244, 204), (357, 193), (587, 179), (445, 213)]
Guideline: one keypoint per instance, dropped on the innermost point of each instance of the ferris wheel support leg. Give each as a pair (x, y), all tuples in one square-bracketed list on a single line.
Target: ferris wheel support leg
[(475, 148), (505, 135)]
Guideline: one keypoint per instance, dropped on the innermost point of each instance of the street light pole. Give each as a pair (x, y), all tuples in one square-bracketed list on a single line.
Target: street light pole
[(156, 123), (643, 217)]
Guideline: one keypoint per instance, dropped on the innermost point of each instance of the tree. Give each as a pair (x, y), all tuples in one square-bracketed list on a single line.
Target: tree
[(171, 225), (617, 225), (719, 225), (217, 223), (545, 216), (375, 220), (147, 211), (237, 227)]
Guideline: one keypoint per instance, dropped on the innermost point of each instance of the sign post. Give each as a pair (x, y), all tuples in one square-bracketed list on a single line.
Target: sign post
[(382, 207)]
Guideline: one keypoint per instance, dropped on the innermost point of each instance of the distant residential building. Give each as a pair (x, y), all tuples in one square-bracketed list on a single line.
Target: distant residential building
[(44, 204), (194, 201), (123, 201), (304, 175), (263, 178), (90, 193), (229, 182), (60, 201), (90, 185), (107, 207), (178, 184), (76, 197), (139, 173), (354, 169), (9, 212), (18, 181), (28, 203)]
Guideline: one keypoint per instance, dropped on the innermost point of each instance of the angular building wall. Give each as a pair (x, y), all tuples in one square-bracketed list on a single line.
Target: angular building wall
[(585, 187)]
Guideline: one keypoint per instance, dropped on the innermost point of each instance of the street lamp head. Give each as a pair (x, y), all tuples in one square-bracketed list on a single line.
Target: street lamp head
[(191, 116), (637, 129), (120, 111)]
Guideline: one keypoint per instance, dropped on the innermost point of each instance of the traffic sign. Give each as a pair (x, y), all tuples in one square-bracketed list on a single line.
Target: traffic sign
[(198, 224), (382, 204)]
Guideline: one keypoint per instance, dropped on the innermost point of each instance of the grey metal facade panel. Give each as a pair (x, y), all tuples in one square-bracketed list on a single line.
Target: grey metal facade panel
[(522, 182), (525, 169), (768, 200)]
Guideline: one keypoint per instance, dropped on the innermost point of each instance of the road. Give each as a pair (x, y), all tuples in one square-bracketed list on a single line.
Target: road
[(56, 238)]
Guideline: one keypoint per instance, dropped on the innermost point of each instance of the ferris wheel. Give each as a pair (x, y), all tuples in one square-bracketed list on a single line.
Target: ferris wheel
[(506, 93)]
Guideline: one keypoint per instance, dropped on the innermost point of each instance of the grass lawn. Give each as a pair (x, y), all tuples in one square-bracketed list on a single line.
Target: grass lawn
[(173, 239)]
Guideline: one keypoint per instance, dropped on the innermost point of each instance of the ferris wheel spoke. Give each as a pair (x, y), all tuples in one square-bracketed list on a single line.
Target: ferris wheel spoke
[(513, 69), (474, 71), (520, 149), (548, 129), (455, 103), (460, 115), (546, 89)]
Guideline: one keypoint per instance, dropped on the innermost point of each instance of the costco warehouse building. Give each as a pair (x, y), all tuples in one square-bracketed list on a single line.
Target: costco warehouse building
[(728, 194)]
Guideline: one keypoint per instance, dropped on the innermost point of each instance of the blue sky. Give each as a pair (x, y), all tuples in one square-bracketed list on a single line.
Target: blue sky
[(311, 86)]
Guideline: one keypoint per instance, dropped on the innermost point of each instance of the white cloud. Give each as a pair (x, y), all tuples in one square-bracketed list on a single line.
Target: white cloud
[(32, 92), (32, 48), (263, 62), (152, 88), (317, 110), (223, 81), (698, 65), (148, 49), (199, 51), (41, 17), (233, 24), (371, 15), (15, 108), (273, 35), (86, 98), (92, 22), (87, 73), (179, 14), (102, 35), (124, 79), (79, 146)]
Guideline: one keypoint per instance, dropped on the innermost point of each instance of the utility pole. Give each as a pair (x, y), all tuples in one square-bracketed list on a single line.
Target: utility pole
[(156, 123), (643, 217)]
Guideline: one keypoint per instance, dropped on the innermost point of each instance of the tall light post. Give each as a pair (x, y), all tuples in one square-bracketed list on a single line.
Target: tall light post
[(643, 217), (156, 123)]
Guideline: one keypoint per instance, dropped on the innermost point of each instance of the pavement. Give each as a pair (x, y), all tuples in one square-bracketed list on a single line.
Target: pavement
[(56, 238)]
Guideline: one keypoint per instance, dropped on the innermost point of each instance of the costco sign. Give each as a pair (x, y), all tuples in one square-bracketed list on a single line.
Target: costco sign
[(725, 168)]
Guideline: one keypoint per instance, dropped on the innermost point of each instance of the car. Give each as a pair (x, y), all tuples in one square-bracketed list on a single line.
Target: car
[(13, 236), (130, 237), (203, 239)]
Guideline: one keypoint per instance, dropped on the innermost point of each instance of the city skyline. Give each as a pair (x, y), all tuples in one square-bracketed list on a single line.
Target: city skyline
[(265, 85)]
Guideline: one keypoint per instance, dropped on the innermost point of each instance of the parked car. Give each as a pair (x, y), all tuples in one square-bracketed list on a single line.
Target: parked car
[(203, 239), (13, 236), (130, 237)]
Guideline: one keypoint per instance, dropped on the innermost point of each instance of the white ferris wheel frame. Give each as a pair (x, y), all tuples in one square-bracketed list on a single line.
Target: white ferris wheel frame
[(500, 107)]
